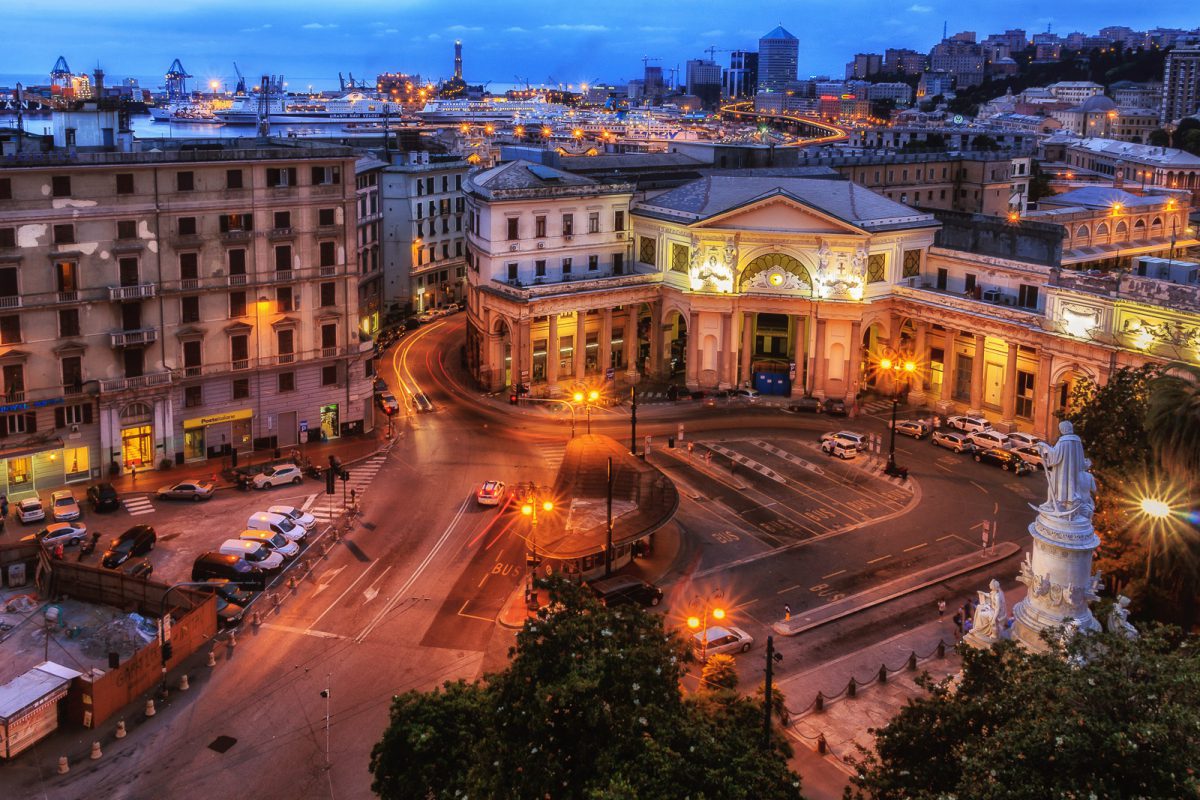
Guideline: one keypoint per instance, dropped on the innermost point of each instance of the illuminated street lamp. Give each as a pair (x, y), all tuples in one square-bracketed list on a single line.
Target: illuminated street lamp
[(591, 397), (701, 622), (534, 500), (898, 368)]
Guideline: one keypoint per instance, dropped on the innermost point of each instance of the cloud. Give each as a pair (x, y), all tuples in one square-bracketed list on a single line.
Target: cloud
[(391, 30), (463, 29), (256, 29), (582, 28), (516, 29), (917, 8), (656, 29), (316, 26)]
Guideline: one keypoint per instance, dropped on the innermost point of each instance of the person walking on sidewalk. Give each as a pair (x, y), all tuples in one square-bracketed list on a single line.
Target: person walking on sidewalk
[(941, 605), (787, 612), (958, 625)]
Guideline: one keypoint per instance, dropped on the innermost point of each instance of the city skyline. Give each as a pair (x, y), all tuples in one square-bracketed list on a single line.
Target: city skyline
[(309, 44)]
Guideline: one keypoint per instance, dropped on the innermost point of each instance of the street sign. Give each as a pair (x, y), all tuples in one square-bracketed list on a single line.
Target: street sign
[(270, 422), (792, 370), (609, 374), (304, 425), (679, 436), (303, 437)]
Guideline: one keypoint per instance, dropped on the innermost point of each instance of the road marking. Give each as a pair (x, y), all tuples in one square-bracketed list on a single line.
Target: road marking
[(995, 508), (788, 589), (916, 547), (980, 488), (326, 579), (308, 503), (373, 590), (391, 604), (472, 616), (344, 593), (136, 506), (303, 631), (830, 575), (948, 536), (881, 558)]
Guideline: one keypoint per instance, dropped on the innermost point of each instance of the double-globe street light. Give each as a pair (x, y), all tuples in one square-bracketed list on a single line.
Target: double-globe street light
[(535, 499), (700, 623), (589, 399), (898, 368)]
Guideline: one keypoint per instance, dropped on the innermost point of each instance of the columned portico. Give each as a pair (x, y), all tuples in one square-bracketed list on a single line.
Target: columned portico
[(854, 361), (977, 366), (656, 340), (728, 367), (949, 371), (692, 359), (522, 352), (579, 356), (798, 355), (1008, 403), (916, 393), (820, 369), (747, 354), (606, 329), (631, 341)]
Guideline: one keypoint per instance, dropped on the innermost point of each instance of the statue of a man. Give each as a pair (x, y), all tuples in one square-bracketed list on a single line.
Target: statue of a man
[(1063, 463), (1085, 491), (985, 623)]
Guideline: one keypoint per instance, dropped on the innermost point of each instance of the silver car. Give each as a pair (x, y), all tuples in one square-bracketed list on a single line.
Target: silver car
[(64, 505), (721, 640), (186, 490), (64, 533)]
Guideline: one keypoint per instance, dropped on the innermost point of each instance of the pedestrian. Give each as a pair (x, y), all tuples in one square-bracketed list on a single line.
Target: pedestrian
[(967, 625), (133, 472), (787, 612), (958, 624), (58, 551), (3, 505), (941, 608)]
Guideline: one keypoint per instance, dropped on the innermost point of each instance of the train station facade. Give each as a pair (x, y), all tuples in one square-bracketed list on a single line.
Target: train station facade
[(805, 286)]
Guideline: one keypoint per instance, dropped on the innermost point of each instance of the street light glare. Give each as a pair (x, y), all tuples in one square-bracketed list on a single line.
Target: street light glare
[(693, 622), (547, 506), (593, 396), (527, 509), (886, 363), (910, 366), (579, 397), (1156, 508), (718, 613)]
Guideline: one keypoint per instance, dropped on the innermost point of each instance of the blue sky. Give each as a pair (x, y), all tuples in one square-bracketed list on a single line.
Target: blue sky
[(310, 42)]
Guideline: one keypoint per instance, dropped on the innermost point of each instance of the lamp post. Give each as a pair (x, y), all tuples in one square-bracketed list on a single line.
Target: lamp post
[(262, 305), (591, 397), (1158, 511), (701, 623), (534, 499), (897, 368)]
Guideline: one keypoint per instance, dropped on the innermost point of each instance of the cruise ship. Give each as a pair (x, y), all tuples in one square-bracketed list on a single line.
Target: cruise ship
[(306, 110), (485, 110)]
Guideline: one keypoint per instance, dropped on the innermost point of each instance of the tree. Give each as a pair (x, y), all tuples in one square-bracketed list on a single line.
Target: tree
[(720, 672), (984, 142), (1039, 185), (1109, 419), (1173, 419), (1104, 716), (1159, 138), (589, 707)]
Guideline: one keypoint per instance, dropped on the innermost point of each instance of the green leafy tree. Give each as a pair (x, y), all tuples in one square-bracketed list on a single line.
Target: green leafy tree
[(1173, 419), (720, 672), (589, 707), (1103, 717), (1159, 138), (1109, 418)]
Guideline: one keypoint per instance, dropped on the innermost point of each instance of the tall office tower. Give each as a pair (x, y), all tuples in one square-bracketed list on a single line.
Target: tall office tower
[(778, 56), (1181, 84), (653, 81), (742, 76), (704, 80)]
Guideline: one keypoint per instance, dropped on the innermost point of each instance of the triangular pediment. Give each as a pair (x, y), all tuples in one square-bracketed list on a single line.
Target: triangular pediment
[(779, 213)]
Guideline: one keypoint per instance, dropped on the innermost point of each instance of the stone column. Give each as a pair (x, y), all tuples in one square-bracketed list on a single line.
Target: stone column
[(656, 340), (949, 359), (976, 406), (798, 356), (605, 341), (916, 393), (523, 353), (747, 353), (631, 341), (819, 361), (691, 367), (580, 345), (1043, 396), (1008, 403), (726, 371), (854, 361), (552, 353)]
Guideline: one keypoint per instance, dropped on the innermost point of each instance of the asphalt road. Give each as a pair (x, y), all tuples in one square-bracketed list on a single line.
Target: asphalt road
[(409, 599)]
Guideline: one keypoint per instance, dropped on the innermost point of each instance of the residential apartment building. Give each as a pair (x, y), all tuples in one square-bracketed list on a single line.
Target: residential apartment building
[(864, 65), (1181, 85), (1129, 94), (801, 287), (1075, 92), (174, 304), (904, 61), (704, 80), (371, 309), (960, 57)]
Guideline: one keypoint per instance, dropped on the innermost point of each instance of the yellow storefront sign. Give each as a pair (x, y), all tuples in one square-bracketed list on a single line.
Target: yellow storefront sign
[(200, 422)]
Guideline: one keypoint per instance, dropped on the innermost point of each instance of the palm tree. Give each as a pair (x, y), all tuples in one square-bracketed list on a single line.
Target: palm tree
[(1173, 420)]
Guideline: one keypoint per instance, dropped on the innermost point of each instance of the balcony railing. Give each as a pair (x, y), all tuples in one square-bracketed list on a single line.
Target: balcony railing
[(283, 275), (235, 236), (281, 233), (239, 280), (239, 364), (193, 371), (71, 296), (188, 284), (329, 352), (328, 270), (14, 396), (128, 338), (12, 301), (137, 292), (140, 382)]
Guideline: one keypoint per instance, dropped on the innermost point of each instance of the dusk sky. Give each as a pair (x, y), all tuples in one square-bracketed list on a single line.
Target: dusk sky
[(310, 42)]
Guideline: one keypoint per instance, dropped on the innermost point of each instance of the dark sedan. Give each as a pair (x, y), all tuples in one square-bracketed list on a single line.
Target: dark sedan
[(835, 407), (1005, 459), (103, 497), (136, 541)]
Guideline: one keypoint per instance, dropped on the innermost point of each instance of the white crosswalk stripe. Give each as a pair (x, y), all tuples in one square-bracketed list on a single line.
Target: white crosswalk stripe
[(553, 453), (361, 476), (876, 405), (138, 505)]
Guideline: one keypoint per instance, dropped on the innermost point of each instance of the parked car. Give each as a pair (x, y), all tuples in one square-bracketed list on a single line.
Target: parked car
[(1022, 439), (279, 475), (750, 395), (1031, 456), (233, 592), (427, 316), (916, 428), (231, 568), (380, 386), (1007, 460), (275, 541), (103, 497), (137, 541), (298, 518), (721, 640), (454, 308), (255, 553), (187, 490), (141, 568), (835, 407), (64, 533), (986, 439), (622, 590), (422, 403), (968, 424), (840, 448), (276, 523), (491, 493), (30, 510), (229, 613), (387, 403), (952, 440), (64, 505), (859, 441), (810, 405)]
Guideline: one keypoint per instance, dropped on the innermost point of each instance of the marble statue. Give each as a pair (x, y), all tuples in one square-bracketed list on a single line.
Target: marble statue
[(1118, 618), (990, 613), (1085, 491), (1063, 463)]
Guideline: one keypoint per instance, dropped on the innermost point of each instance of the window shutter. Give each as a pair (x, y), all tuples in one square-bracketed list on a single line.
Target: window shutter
[(87, 414), (31, 422), (60, 417)]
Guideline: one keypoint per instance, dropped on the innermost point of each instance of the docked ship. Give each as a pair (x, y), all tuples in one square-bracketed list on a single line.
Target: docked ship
[(354, 107), (485, 110)]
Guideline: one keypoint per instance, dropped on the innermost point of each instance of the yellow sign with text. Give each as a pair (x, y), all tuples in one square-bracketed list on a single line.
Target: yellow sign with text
[(200, 422)]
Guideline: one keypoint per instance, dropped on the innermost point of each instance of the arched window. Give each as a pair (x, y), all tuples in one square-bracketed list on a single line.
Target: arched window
[(1102, 229), (1156, 226), (1122, 229), (1081, 232), (778, 270)]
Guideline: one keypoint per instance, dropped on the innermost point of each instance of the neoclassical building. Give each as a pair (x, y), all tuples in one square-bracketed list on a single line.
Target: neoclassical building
[(802, 286)]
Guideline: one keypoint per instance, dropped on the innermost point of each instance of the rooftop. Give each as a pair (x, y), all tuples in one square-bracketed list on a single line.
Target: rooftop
[(1144, 153), (1102, 197), (524, 178), (779, 33), (170, 151)]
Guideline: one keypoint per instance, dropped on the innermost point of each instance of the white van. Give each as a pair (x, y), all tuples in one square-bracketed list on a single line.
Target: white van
[(275, 523), (255, 553), (275, 541), (298, 517)]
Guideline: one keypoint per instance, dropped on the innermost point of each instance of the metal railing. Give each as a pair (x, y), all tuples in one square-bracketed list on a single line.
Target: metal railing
[(126, 338), (12, 301), (136, 292), (140, 382)]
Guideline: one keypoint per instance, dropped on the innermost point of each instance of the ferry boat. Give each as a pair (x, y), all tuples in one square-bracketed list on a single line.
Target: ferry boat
[(307, 110), (484, 110)]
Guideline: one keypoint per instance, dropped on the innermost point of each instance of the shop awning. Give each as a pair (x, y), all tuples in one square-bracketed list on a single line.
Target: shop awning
[(33, 687), (30, 448)]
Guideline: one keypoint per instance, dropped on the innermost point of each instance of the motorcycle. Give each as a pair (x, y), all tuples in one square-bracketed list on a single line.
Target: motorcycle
[(313, 471), (88, 546)]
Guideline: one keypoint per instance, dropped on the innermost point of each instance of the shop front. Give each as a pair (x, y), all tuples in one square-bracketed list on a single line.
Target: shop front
[(330, 422), (24, 471), (214, 435), (137, 436)]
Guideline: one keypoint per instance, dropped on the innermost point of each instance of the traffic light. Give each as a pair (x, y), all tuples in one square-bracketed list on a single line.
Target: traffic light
[(329, 477), (345, 475), (167, 651), (512, 398)]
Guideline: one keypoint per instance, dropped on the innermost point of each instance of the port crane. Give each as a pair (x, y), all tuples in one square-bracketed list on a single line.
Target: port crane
[(241, 84)]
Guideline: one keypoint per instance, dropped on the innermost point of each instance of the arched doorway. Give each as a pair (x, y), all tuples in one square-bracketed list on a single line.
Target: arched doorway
[(875, 347), (1063, 388), (137, 435), (775, 272), (501, 366), (675, 345)]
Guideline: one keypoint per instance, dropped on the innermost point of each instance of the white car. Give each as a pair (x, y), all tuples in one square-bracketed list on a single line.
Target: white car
[(952, 440), (751, 395), (278, 475), (30, 510), (840, 448), (428, 316), (1031, 456), (491, 493), (64, 505), (988, 439), (275, 541), (859, 441), (721, 640), (1020, 439), (298, 517), (968, 424), (64, 533)]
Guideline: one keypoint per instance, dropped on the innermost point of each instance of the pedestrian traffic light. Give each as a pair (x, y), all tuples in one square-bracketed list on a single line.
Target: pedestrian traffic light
[(329, 477), (167, 652), (512, 399), (345, 475)]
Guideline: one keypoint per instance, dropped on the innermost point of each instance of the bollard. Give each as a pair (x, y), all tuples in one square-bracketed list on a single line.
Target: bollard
[(121, 729), (324, 548), (852, 689), (183, 683), (912, 662), (822, 745), (820, 701), (150, 712), (883, 673), (255, 619), (276, 599), (212, 658), (292, 582), (63, 767), (96, 751), (941, 651), (232, 639)]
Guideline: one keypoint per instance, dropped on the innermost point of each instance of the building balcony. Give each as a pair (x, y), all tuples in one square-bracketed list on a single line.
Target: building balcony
[(140, 291), (550, 286), (232, 237), (13, 396), (12, 301), (238, 280), (283, 276), (187, 241), (189, 284), (328, 270), (148, 381), (281, 233), (997, 304), (143, 336)]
